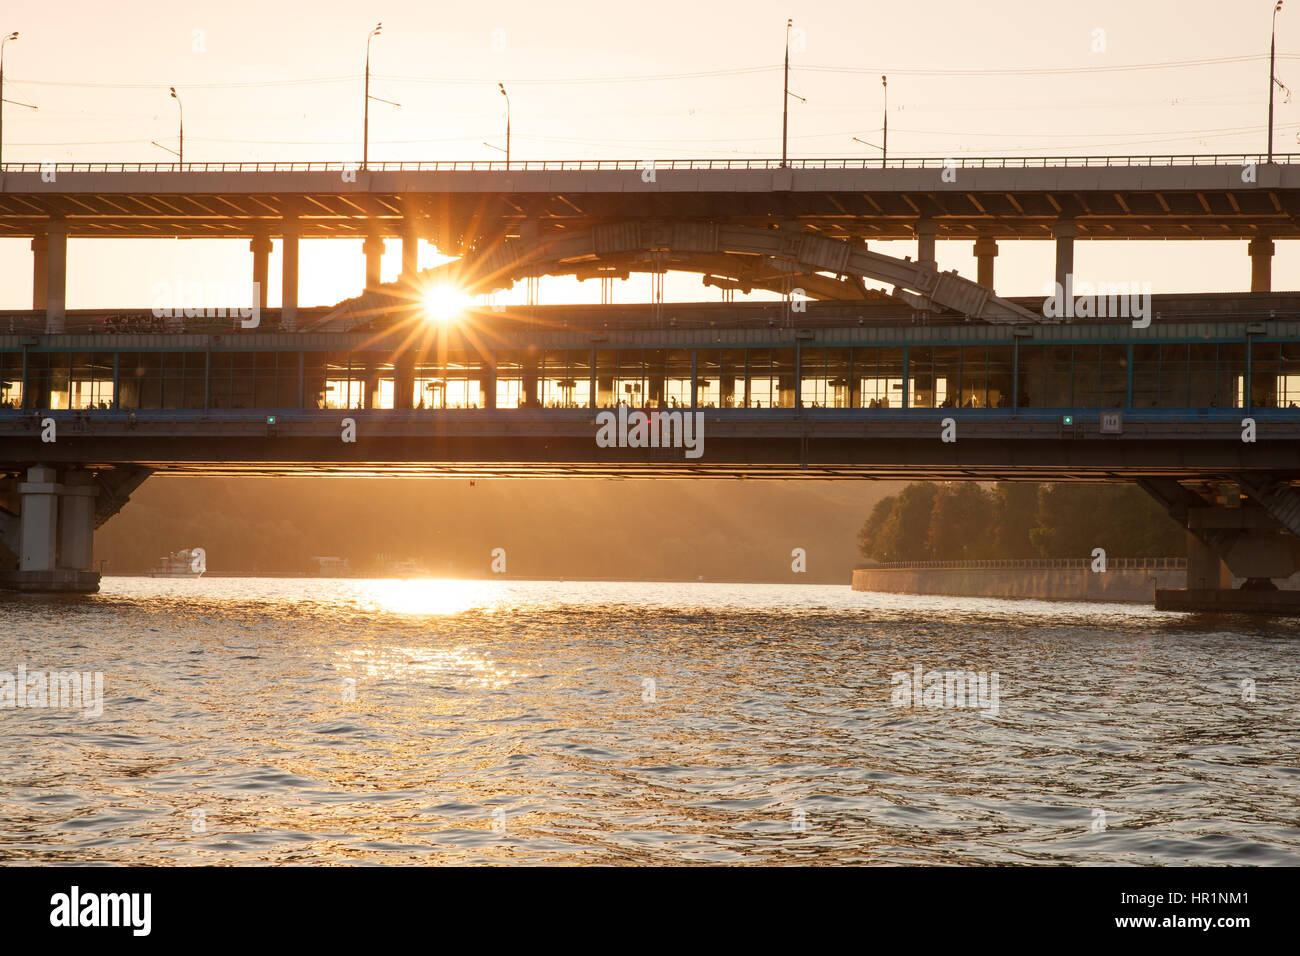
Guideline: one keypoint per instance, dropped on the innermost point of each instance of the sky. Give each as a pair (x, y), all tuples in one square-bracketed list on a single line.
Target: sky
[(668, 79)]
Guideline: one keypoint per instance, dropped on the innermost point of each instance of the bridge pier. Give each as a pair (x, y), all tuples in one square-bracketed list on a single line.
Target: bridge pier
[(56, 274), (40, 268), (1064, 232), (1205, 569), (77, 521), (926, 231), (986, 250), (51, 539), (48, 545), (260, 246), (1261, 263), (373, 247), (410, 247), (289, 276), (1255, 537)]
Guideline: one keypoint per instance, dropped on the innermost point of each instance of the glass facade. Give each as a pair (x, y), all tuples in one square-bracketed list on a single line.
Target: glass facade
[(1146, 375)]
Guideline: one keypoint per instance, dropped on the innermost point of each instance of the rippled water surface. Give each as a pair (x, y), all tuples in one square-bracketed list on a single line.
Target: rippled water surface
[(513, 722)]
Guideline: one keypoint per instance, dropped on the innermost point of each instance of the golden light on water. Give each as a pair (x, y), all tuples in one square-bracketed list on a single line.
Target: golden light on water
[(454, 664), (438, 596), (443, 303)]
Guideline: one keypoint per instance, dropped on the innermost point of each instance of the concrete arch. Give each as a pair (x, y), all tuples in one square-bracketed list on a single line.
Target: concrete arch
[(742, 257)]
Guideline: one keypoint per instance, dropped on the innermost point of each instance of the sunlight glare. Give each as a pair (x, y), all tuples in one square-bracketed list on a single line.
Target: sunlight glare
[(442, 303)]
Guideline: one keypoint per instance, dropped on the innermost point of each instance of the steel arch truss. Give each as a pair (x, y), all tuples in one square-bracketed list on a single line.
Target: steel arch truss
[(740, 257)]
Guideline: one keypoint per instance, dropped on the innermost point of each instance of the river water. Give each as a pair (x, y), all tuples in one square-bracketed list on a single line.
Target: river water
[(352, 721)]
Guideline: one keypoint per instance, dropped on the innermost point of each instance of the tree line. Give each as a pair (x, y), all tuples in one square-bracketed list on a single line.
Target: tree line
[(966, 521)]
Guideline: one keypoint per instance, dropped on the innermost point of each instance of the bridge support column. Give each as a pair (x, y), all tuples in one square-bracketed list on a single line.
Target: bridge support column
[(986, 250), (39, 495), (1253, 538), (289, 276), (1064, 233), (49, 545), (926, 230), (410, 248), (260, 246), (40, 267), (1205, 569), (404, 383), (1261, 264), (56, 275), (77, 521), (373, 247)]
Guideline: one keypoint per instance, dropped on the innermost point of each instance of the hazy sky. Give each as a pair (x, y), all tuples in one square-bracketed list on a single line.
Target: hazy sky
[(631, 80)]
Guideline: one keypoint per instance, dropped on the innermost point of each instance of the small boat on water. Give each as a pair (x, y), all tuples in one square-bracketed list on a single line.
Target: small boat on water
[(187, 563), (407, 569)]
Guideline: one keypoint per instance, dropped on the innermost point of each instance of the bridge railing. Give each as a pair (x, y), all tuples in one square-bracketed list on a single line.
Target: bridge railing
[(1034, 564), (630, 165)]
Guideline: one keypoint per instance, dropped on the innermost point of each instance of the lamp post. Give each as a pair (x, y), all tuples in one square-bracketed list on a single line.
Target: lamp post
[(785, 100), (1272, 77), (365, 134), (6, 39), (884, 149), (181, 154), (507, 96)]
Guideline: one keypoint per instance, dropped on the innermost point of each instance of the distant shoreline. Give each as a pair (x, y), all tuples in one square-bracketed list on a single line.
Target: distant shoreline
[(496, 577)]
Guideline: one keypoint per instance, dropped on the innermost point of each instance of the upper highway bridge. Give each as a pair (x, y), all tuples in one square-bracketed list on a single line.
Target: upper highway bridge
[(465, 208), (940, 377)]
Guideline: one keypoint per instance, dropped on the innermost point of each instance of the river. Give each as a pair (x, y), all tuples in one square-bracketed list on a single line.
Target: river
[(445, 721)]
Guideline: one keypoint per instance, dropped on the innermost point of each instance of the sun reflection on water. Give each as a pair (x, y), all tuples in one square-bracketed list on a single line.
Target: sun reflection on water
[(457, 665), (438, 596)]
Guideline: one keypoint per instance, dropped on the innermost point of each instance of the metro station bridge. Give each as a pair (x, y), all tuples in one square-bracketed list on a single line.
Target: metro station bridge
[(939, 378)]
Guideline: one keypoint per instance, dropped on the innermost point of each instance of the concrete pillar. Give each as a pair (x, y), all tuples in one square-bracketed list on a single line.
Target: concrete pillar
[(410, 247), (40, 265), (260, 246), (403, 382), (39, 496), (77, 521), (56, 275), (1204, 567), (1064, 232), (986, 250), (373, 247), (926, 230), (1261, 264), (289, 276)]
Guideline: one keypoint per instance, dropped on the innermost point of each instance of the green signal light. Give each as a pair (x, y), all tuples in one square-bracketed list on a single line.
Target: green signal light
[(1067, 420)]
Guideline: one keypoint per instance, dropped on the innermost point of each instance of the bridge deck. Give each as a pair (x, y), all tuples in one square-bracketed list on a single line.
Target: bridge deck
[(1106, 197)]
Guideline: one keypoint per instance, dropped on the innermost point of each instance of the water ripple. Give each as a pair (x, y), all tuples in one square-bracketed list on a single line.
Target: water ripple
[(354, 722)]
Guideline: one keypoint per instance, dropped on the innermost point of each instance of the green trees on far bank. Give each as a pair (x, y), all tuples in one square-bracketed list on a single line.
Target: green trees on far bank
[(966, 521)]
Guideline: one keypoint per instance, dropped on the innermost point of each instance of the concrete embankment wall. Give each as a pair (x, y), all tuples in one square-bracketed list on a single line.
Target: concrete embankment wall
[(1044, 584)]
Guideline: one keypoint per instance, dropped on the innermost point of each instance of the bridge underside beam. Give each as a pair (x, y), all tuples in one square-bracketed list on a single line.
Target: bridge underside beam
[(563, 441)]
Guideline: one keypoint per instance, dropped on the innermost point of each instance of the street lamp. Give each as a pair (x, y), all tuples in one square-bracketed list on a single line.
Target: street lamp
[(507, 96), (3, 101), (1272, 77), (180, 155), (785, 100), (365, 135), (884, 149)]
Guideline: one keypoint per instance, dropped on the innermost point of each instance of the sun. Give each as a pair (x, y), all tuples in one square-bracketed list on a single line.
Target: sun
[(442, 303)]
